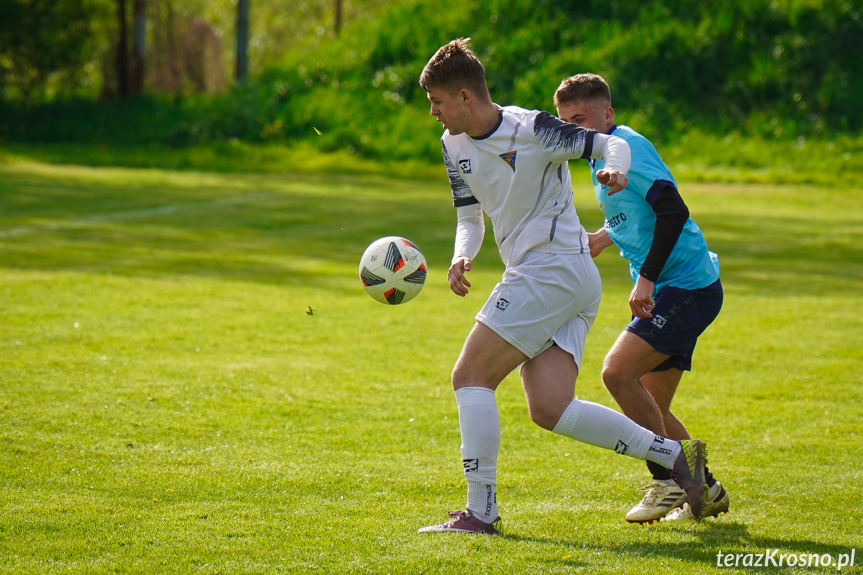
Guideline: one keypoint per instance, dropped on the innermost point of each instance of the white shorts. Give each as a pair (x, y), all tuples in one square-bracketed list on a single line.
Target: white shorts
[(545, 299)]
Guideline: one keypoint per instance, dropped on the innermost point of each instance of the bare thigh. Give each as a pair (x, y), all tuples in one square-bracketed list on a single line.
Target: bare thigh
[(549, 385), (485, 359)]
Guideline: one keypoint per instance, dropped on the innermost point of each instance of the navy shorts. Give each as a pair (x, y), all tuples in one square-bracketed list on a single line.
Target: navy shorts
[(680, 316)]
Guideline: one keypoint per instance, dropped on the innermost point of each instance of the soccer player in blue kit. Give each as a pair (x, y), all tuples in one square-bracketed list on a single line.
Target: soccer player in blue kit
[(676, 295), (511, 164)]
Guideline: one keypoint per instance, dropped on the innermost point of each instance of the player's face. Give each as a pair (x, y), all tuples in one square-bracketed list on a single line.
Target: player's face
[(449, 108), (596, 115)]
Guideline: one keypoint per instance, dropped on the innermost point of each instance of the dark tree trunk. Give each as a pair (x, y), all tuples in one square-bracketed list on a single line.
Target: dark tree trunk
[(122, 51), (139, 43), (242, 40)]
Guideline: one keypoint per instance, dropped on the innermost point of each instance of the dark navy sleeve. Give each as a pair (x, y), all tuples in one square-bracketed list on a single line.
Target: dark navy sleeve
[(671, 215), (561, 140)]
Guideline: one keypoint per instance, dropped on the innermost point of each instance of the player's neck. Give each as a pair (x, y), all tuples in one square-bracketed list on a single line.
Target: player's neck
[(485, 120)]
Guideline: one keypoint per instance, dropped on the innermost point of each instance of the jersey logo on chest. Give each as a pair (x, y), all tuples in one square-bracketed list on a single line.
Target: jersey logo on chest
[(464, 165), (509, 158)]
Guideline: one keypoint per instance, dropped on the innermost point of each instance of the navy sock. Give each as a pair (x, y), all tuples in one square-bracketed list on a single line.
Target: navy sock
[(659, 472), (708, 477)]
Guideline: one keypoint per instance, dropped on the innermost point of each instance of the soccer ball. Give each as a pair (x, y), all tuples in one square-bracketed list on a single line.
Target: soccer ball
[(393, 270)]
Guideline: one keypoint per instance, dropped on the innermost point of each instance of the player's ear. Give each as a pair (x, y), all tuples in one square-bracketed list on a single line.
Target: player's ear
[(465, 95), (609, 114)]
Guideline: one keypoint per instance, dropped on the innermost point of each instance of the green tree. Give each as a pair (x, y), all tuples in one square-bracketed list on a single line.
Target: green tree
[(44, 45)]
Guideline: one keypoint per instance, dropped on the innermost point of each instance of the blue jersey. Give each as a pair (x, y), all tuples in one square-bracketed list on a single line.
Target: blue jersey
[(630, 219)]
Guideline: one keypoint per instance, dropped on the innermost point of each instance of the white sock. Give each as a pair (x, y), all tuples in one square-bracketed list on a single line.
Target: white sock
[(663, 451), (601, 426), (479, 423)]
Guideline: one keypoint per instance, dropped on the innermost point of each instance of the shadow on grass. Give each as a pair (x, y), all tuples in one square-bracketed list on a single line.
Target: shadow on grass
[(249, 228), (712, 539), (288, 229), (788, 254)]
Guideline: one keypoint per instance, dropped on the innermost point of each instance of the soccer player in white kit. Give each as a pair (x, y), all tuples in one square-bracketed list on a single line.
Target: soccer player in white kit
[(511, 163)]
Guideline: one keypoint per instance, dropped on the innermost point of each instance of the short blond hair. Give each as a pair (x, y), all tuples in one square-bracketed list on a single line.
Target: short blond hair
[(582, 88)]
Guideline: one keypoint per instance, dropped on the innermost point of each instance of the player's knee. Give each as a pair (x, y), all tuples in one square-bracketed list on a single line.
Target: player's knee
[(467, 374), (457, 379), (614, 379), (545, 416), (463, 377)]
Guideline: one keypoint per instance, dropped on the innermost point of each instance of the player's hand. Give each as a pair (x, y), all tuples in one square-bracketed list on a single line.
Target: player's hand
[(457, 282), (598, 241), (614, 180), (641, 299)]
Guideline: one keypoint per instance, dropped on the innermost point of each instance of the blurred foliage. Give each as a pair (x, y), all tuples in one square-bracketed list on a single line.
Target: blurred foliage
[(52, 49), (47, 47), (277, 27), (768, 68)]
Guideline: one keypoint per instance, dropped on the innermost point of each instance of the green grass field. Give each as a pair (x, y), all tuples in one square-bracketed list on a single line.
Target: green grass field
[(193, 381)]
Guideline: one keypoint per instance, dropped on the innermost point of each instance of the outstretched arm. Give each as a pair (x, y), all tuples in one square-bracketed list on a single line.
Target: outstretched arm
[(617, 156), (470, 230), (563, 141)]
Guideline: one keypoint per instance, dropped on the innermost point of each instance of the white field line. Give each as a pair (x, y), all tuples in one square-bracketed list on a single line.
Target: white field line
[(129, 215)]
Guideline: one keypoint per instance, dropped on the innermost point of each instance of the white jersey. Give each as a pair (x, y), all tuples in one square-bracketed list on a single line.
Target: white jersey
[(519, 174)]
